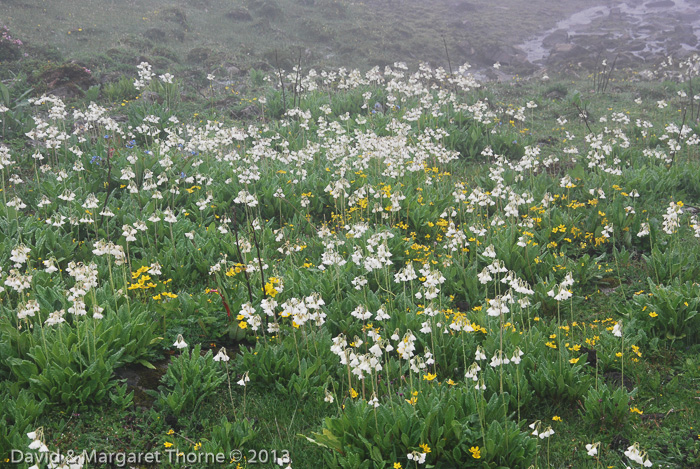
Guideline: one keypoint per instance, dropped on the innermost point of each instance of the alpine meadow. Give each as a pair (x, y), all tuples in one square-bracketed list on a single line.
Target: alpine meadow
[(333, 234)]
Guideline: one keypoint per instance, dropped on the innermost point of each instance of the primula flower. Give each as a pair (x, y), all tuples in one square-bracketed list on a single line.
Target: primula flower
[(638, 456), (243, 380), (20, 254), (419, 458), (592, 448), (617, 330), (222, 355), (180, 342)]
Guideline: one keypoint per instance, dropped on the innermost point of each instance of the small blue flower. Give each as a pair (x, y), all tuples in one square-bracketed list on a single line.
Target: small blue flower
[(106, 136), (148, 152), (182, 175), (130, 144)]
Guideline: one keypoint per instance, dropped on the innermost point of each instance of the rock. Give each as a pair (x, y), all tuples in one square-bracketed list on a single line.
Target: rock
[(556, 95), (467, 48), (661, 4), (559, 36), (155, 34), (615, 13), (233, 70), (636, 46), (151, 97), (239, 14), (566, 51), (175, 15), (248, 112), (505, 55), (463, 7), (685, 35), (66, 81), (67, 92), (111, 77), (198, 55)]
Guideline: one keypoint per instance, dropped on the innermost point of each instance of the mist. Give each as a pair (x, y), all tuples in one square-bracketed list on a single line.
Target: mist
[(521, 37)]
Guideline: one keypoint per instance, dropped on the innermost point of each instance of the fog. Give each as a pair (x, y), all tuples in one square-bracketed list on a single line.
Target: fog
[(521, 37)]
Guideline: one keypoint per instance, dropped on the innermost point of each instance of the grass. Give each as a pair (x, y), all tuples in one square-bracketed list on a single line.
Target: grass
[(571, 351), (327, 33)]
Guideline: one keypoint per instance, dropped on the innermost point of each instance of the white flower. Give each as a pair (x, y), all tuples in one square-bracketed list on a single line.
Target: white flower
[(484, 277), (592, 449), (617, 330), (180, 342), (645, 229), (381, 314), (50, 265), (517, 354), (490, 251), (55, 318), (222, 355), (419, 458), (166, 78), (37, 444), (640, 457), (243, 380), (20, 254)]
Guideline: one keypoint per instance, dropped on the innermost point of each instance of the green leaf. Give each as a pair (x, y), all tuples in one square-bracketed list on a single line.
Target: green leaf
[(146, 363), (5, 94)]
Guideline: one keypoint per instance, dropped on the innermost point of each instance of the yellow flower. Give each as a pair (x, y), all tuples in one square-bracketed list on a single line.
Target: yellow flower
[(430, 376), (167, 444), (243, 325), (574, 360), (556, 418), (197, 446), (270, 290), (353, 393), (635, 409), (171, 431), (476, 452), (653, 314), (425, 447), (397, 465)]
